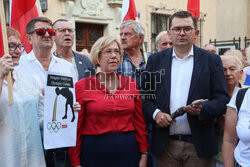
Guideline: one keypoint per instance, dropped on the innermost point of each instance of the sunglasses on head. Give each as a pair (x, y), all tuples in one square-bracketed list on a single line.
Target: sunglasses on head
[(42, 31)]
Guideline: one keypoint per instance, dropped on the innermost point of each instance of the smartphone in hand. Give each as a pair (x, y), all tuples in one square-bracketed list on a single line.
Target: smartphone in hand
[(199, 101)]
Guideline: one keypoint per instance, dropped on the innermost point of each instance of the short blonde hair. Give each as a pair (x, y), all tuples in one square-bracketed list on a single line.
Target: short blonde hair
[(99, 46), (236, 60)]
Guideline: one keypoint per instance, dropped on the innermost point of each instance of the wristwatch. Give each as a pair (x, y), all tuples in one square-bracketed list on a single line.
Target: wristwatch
[(144, 153)]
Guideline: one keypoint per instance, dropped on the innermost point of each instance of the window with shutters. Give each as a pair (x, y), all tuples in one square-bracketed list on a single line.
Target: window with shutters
[(159, 22)]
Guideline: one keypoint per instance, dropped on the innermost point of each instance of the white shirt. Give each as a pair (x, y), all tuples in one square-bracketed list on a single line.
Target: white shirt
[(30, 64), (20, 138), (181, 73), (242, 150), (73, 62)]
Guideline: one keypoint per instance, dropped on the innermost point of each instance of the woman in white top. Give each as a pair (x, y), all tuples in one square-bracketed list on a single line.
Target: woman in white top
[(232, 67), (20, 138), (236, 141)]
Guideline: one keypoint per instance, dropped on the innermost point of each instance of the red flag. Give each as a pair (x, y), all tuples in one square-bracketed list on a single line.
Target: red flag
[(128, 10), (22, 11), (1, 42), (193, 7)]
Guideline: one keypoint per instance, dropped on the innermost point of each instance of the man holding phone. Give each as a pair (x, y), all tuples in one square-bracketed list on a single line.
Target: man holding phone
[(193, 79)]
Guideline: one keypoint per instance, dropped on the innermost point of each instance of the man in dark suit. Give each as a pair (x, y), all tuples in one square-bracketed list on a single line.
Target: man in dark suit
[(177, 77), (64, 40)]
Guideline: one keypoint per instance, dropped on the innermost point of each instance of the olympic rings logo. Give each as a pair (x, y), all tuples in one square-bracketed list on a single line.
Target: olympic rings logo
[(53, 126)]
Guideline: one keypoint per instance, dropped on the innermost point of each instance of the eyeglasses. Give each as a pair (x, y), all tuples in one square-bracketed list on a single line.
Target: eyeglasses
[(42, 31), (186, 30), (111, 52), (14, 46), (64, 30)]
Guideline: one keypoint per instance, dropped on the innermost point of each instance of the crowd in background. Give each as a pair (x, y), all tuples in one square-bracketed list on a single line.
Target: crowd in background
[(182, 108)]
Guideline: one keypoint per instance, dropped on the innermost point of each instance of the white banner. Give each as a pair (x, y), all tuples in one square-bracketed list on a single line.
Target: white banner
[(60, 121)]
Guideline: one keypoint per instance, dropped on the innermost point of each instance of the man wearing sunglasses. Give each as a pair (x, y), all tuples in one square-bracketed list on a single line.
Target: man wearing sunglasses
[(64, 40), (40, 35), (190, 74)]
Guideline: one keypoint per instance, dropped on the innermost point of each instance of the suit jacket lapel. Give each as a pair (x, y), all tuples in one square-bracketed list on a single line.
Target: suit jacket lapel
[(166, 79), (79, 65), (78, 61), (198, 64)]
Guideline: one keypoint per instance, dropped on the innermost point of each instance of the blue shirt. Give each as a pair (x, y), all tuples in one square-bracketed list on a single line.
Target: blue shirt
[(128, 69), (247, 81)]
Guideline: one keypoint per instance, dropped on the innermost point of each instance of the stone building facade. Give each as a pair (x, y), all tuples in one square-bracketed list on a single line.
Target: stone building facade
[(219, 19)]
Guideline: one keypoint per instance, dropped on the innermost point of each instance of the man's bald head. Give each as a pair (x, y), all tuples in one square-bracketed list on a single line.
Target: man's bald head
[(211, 48)]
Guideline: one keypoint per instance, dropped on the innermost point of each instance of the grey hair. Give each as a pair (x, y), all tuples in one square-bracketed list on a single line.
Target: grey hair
[(157, 39), (235, 52), (235, 58), (138, 28)]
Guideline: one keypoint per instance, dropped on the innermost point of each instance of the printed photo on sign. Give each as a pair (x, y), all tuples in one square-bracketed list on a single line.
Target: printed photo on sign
[(60, 120)]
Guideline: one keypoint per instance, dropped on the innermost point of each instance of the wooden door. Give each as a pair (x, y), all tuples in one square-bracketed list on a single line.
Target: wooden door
[(86, 35)]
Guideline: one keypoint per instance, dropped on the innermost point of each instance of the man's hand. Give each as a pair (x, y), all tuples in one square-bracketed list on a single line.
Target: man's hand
[(43, 91), (193, 109), (163, 119), (77, 107)]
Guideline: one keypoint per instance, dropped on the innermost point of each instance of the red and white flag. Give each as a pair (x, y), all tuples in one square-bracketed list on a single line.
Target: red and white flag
[(21, 12), (193, 6), (128, 10)]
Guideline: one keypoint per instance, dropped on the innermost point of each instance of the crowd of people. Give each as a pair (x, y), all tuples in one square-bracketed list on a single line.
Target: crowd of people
[(181, 106)]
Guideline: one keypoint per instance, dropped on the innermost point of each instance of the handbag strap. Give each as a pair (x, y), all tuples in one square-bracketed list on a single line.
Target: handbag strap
[(239, 98)]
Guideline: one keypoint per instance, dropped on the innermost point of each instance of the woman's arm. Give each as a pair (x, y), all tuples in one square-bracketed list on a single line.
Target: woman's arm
[(230, 138), (140, 130), (40, 110), (138, 121), (74, 152)]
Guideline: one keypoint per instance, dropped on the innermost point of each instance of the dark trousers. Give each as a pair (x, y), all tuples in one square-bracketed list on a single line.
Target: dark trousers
[(151, 162), (57, 157), (110, 150)]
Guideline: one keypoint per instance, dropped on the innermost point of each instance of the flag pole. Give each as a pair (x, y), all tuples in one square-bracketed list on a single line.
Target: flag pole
[(6, 50), (144, 53), (143, 47)]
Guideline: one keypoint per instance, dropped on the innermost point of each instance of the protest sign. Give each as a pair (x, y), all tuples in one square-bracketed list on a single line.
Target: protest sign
[(60, 121)]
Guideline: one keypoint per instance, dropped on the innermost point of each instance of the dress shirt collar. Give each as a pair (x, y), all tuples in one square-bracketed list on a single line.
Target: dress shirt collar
[(127, 58), (191, 53), (31, 57), (72, 59)]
